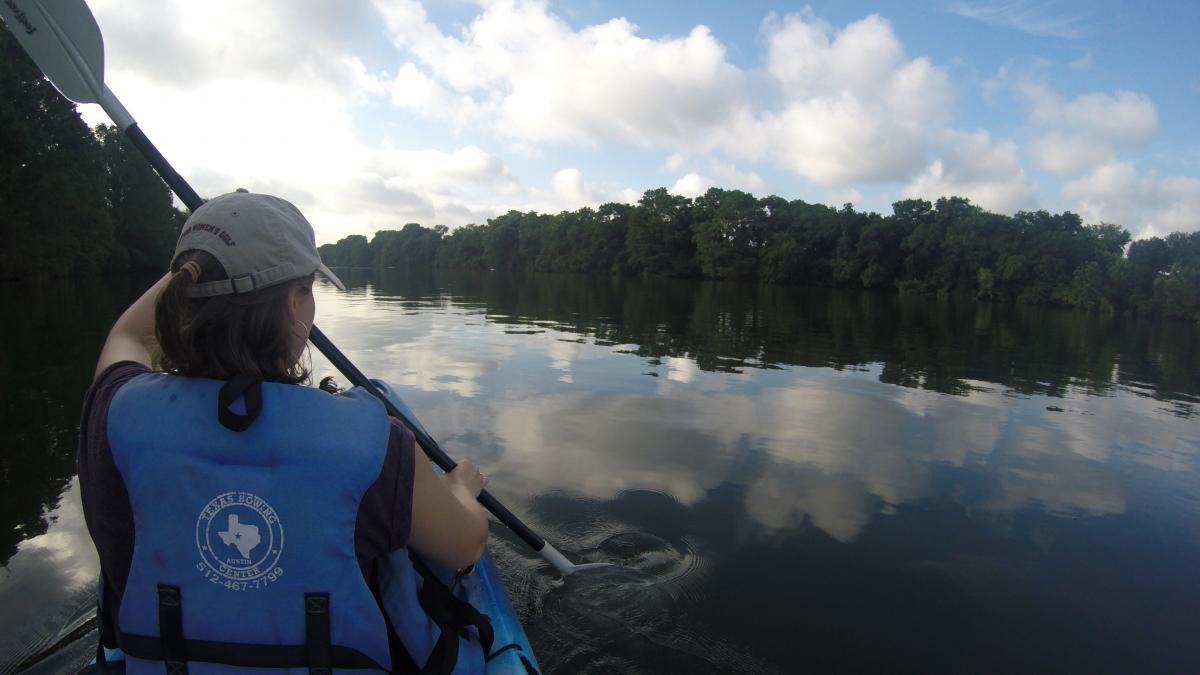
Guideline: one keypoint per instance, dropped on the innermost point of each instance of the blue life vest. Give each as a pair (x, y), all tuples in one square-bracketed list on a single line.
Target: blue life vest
[(244, 540)]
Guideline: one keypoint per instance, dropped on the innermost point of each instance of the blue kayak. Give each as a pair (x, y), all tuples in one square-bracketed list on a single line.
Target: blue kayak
[(511, 652)]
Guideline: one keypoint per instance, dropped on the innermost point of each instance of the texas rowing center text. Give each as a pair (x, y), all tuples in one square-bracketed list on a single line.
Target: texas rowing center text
[(240, 540)]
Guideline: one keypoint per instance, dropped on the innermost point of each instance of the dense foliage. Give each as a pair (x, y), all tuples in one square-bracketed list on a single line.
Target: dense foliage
[(948, 246), (72, 201)]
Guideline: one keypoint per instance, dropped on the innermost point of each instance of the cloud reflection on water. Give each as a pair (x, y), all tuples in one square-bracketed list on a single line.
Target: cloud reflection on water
[(419, 344), (598, 446), (834, 457), (839, 447), (897, 457), (48, 587)]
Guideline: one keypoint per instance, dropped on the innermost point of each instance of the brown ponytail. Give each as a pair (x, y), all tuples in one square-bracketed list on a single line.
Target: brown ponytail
[(226, 335)]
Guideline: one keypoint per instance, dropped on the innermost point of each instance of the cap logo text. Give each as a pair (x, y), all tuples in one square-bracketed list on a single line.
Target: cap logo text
[(21, 18), (205, 227)]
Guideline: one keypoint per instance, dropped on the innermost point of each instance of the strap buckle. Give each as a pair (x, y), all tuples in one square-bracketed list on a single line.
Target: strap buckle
[(243, 283)]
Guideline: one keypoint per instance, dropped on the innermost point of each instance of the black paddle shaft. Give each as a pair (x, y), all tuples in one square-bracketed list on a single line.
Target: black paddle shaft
[(335, 356), (171, 177)]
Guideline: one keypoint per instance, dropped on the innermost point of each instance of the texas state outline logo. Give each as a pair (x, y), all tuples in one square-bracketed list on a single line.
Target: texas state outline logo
[(240, 540)]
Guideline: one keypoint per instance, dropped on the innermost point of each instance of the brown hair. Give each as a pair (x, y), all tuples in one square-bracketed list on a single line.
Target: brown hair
[(225, 335)]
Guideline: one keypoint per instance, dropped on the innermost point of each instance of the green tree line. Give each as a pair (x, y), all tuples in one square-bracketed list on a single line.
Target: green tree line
[(947, 246), (73, 200)]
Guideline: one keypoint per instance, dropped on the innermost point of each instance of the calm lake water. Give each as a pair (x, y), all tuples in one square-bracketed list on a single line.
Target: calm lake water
[(790, 479)]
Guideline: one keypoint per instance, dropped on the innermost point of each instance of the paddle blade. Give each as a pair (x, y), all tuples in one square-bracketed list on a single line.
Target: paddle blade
[(62, 38)]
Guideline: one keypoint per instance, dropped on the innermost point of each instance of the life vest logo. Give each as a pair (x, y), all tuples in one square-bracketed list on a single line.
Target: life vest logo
[(240, 540)]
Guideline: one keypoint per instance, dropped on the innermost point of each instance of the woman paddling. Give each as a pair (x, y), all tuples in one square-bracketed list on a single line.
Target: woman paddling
[(241, 519)]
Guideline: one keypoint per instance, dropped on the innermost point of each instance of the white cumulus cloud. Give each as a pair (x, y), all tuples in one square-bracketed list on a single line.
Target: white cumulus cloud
[(569, 184), (692, 185), (1083, 138), (270, 99), (570, 190), (278, 97), (1117, 193), (534, 78), (972, 165), (1068, 154), (1080, 134), (852, 106), (844, 105), (1123, 117)]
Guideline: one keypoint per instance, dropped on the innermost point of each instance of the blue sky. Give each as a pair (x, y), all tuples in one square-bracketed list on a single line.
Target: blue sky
[(373, 113)]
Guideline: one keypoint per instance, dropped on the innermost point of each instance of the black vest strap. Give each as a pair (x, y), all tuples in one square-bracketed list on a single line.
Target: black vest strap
[(453, 616), (402, 660), (316, 633), (512, 646), (170, 629), (444, 656), (318, 653), (246, 655), (462, 613), (239, 386), (467, 615), (508, 647), (440, 605)]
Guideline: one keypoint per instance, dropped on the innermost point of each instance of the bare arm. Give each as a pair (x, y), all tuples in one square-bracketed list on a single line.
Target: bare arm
[(132, 336), (448, 525)]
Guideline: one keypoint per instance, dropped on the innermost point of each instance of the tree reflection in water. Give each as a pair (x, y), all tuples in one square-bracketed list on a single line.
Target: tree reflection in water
[(891, 481)]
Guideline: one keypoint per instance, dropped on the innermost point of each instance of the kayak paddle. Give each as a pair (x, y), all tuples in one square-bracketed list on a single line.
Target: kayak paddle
[(64, 40)]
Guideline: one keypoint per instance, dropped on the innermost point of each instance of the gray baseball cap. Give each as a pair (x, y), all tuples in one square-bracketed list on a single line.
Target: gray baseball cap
[(260, 240)]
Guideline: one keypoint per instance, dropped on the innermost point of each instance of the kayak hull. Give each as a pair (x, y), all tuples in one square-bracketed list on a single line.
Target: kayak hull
[(484, 589)]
